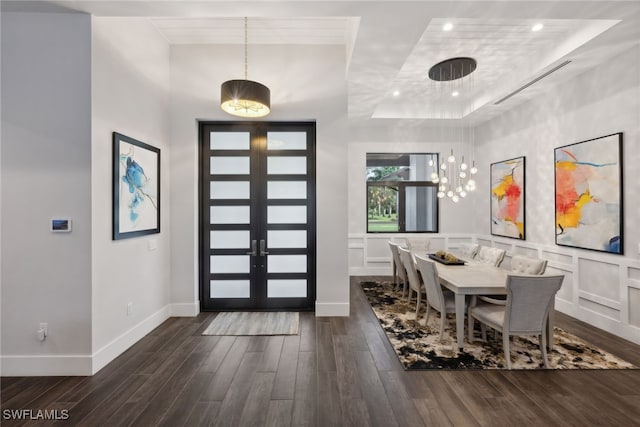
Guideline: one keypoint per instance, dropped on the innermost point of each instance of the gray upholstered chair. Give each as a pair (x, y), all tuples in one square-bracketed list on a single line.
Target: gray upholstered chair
[(415, 284), (399, 272), (438, 299), (529, 300), (418, 245), (490, 256), (468, 250), (524, 265)]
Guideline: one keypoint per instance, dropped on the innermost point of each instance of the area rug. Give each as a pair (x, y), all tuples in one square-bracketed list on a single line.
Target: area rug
[(254, 323), (419, 347)]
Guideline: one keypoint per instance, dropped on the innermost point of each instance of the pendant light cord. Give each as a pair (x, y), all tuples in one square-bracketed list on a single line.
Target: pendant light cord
[(246, 43)]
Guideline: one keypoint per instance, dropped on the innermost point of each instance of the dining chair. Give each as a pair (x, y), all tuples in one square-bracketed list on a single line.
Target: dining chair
[(399, 272), (529, 300), (418, 246), (520, 264), (415, 284), (491, 256), (438, 299), (468, 250)]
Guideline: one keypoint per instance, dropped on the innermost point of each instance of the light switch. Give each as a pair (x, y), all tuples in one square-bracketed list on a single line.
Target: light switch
[(153, 245)]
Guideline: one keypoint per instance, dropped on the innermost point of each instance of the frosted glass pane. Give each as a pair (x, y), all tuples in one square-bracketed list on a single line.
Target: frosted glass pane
[(230, 263), (286, 141), (229, 140), (229, 214), (287, 264), (287, 189), (224, 239), (229, 289), (287, 214), (229, 190), (287, 238), (287, 288), (277, 165), (229, 165)]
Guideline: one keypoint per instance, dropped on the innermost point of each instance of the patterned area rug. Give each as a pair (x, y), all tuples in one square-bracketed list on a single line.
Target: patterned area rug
[(419, 347), (254, 323)]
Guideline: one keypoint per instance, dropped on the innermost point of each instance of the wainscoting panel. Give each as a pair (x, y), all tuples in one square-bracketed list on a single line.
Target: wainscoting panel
[(600, 289)]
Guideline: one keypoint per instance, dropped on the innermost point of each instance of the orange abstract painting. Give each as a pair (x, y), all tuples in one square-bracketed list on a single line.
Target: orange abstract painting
[(588, 188), (507, 198)]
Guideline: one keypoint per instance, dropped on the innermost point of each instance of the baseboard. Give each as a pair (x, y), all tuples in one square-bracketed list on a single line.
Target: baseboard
[(117, 346), (46, 366), (185, 309), (332, 309), (370, 271)]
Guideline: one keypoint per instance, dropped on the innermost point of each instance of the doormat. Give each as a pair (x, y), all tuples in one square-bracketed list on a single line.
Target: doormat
[(254, 323), (418, 347)]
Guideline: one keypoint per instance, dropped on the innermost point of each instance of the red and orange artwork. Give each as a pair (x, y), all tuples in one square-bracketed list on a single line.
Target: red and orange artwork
[(507, 198), (587, 194)]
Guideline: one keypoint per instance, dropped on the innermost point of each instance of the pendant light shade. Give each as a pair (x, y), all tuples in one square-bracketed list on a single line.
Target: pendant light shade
[(245, 98)]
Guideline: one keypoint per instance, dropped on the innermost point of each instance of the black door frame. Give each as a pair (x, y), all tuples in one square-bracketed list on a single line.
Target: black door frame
[(259, 227)]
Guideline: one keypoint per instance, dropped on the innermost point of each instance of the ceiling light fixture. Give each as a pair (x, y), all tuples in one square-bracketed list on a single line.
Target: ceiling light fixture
[(245, 98), (455, 178), (447, 27), (396, 93), (537, 27)]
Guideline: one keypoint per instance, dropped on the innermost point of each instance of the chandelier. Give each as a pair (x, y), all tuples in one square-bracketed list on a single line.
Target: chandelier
[(454, 176), (245, 98)]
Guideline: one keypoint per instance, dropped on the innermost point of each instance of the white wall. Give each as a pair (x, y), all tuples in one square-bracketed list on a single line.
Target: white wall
[(306, 82), (46, 152), (599, 288), (130, 95)]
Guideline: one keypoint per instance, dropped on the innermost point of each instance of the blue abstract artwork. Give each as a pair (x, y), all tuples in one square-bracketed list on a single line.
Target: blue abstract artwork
[(136, 188)]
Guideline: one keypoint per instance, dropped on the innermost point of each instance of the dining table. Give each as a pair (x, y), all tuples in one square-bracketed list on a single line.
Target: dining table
[(475, 278)]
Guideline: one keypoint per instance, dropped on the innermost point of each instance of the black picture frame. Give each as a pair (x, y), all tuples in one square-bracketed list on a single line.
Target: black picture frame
[(597, 221), (502, 223), (136, 188)]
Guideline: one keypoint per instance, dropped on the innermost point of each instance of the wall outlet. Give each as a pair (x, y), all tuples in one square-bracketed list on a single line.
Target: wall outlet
[(129, 308)]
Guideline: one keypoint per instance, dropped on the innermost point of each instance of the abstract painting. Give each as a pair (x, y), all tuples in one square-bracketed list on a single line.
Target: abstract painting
[(508, 198), (588, 184), (136, 188)]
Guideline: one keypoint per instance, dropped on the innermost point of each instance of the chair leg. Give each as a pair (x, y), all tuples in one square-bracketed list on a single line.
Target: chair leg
[(483, 331), (505, 347), (443, 318), (426, 317), (470, 326), (543, 347), (417, 303)]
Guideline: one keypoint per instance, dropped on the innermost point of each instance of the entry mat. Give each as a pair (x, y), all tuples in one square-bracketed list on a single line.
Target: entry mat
[(254, 323)]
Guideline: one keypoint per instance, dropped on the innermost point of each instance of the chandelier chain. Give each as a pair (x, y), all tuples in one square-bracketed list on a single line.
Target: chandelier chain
[(246, 43)]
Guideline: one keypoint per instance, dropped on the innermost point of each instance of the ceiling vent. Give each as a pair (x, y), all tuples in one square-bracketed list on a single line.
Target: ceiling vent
[(537, 79)]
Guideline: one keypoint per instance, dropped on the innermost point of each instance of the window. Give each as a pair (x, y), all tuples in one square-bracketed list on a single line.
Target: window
[(400, 195)]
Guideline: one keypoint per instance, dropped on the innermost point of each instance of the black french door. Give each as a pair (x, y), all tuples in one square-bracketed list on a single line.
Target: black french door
[(257, 215)]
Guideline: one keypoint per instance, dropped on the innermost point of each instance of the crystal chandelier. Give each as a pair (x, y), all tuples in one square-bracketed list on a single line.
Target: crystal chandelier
[(455, 178)]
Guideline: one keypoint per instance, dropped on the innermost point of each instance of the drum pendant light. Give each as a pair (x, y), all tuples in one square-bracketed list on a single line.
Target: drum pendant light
[(245, 98)]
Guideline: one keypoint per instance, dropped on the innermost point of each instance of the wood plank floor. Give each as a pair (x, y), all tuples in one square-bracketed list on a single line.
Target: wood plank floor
[(336, 372)]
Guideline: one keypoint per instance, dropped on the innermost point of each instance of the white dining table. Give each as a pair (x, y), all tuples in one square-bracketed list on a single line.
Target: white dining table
[(474, 278)]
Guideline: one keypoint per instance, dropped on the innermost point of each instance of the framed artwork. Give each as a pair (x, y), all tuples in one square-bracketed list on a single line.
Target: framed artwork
[(588, 190), (508, 198), (136, 188)]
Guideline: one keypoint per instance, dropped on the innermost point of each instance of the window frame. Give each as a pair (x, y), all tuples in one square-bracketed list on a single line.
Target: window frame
[(402, 185)]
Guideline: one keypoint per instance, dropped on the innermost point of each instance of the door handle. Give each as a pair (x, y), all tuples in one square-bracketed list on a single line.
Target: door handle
[(262, 248), (254, 248)]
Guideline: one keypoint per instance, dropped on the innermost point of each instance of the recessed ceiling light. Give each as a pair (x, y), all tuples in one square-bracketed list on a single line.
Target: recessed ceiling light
[(537, 27), (455, 93), (447, 27), (396, 93)]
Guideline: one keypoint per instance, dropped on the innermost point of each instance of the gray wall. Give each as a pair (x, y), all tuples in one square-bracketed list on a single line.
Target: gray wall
[(46, 173)]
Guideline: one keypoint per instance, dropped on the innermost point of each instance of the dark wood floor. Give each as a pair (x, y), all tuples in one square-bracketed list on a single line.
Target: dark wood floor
[(337, 371)]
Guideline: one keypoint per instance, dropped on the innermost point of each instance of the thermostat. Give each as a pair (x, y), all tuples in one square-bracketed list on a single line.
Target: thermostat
[(62, 225)]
